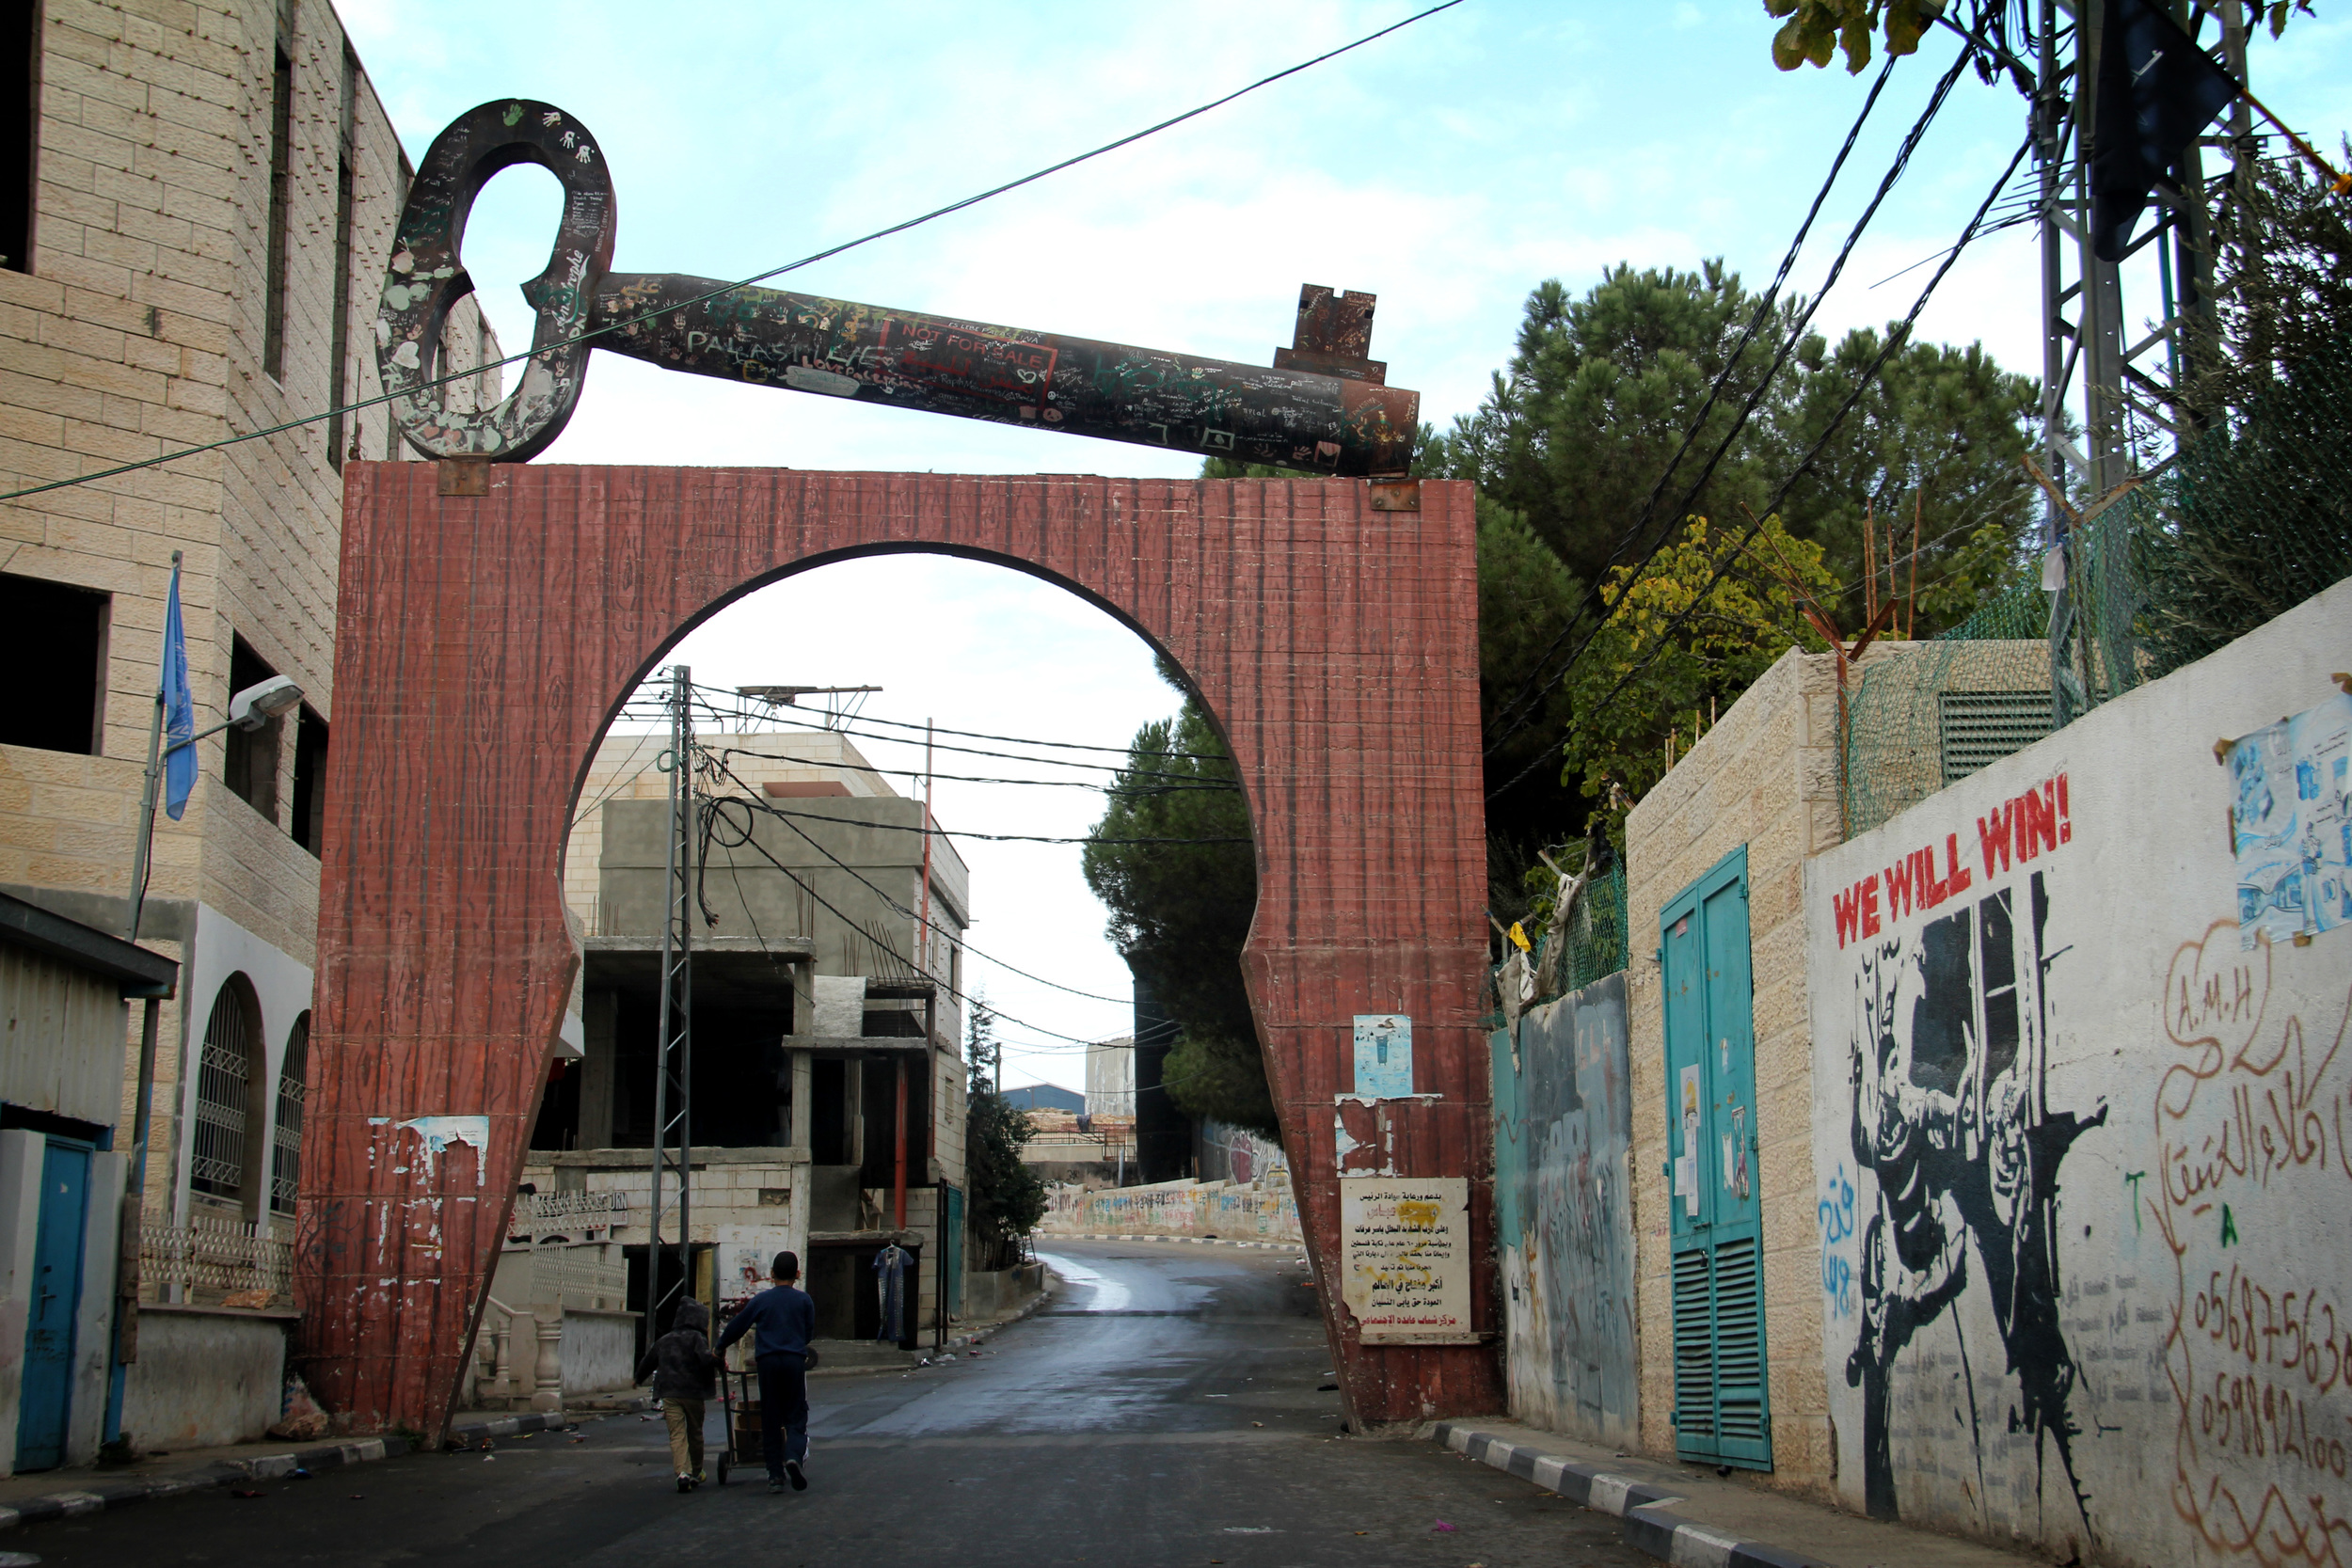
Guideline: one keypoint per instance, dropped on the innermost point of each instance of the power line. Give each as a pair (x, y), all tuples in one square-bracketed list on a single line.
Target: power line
[(884, 948), (845, 729), (1013, 740), (1536, 678), (627, 716), (811, 260), (1895, 339), (886, 897), (970, 778), (1853, 236)]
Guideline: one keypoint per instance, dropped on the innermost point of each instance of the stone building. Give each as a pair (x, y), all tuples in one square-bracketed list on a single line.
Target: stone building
[(193, 221), (828, 1081)]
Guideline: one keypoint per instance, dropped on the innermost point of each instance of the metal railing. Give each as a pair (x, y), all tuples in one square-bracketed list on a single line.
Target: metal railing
[(216, 1261), (538, 1211)]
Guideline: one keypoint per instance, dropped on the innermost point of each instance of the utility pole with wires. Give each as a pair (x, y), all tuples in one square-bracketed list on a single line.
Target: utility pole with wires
[(673, 1050), (2125, 399)]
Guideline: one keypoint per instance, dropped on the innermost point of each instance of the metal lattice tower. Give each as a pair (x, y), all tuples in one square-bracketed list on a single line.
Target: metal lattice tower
[(2124, 394), (674, 1054)]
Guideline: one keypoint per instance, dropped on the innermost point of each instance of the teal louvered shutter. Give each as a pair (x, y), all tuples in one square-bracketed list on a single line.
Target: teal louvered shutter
[(1722, 1410)]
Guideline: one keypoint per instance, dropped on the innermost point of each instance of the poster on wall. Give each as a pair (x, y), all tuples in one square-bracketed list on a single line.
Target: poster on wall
[(1405, 1257), (1384, 1056), (2291, 824)]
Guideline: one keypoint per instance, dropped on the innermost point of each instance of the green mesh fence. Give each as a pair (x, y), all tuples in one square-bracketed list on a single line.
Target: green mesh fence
[(1595, 937), (2246, 523), (1591, 945)]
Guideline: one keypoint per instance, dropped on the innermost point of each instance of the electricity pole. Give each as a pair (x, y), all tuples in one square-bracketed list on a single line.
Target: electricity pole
[(673, 1050)]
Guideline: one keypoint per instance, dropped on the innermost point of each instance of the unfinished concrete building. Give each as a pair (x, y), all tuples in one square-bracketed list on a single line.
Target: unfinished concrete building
[(827, 1084)]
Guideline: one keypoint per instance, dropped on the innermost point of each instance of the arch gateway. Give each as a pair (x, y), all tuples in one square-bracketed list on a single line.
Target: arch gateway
[(493, 619), (485, 643)]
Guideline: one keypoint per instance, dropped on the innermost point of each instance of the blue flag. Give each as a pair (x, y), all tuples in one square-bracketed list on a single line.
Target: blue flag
[(179, 710)]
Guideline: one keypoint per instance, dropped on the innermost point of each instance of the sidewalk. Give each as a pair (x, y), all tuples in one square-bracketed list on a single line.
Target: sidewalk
[(65, 1494), (1689, 1515), (47, 1495)]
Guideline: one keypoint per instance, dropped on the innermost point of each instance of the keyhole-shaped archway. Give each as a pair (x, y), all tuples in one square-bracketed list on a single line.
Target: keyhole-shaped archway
[(482, 643)]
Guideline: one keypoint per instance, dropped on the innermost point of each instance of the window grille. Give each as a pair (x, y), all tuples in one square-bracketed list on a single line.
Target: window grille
[(1980, 728), (285, 1150), (223, 1083)]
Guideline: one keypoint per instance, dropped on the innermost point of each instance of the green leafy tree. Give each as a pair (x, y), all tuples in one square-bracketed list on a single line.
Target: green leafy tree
[(1648, 680), (1580, 425), (1006, 1197), (2257, 517), (1933, 450), (1814, 30), (1569, 445), (1180, 911)]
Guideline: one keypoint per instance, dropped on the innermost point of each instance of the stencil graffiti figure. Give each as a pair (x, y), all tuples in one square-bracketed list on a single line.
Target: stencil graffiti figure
[(1948, 1076)]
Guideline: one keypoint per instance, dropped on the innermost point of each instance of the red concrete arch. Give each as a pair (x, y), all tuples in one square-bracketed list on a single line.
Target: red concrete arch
[(484, 643)]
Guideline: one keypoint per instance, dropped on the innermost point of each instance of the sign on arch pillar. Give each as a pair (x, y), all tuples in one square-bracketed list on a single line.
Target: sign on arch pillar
[(485, 641), (1385, 1116)]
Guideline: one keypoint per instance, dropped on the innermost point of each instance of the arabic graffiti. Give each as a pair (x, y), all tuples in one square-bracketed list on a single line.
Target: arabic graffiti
[(2252, 1119), (1835, 1216)]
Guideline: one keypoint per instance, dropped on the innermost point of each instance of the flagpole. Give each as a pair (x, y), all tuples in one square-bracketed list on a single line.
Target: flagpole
[(142, 845)]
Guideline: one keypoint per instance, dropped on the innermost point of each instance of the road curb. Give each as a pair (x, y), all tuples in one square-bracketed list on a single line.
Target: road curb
[(515, 1426), (1197, 1241), (1643, 1505), (100, 1496)]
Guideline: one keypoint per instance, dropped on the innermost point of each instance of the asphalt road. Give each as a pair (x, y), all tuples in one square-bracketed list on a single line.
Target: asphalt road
[(1163, 1410)]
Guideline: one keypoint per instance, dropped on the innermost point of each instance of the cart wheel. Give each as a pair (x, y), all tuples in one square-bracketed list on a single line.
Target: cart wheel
[(723, 1469)]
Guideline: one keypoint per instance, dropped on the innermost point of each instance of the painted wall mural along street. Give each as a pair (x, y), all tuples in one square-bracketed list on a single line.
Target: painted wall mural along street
[(2080, 1138)]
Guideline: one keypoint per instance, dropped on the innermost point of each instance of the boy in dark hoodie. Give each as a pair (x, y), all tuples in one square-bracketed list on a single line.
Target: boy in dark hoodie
[(684, 1369)]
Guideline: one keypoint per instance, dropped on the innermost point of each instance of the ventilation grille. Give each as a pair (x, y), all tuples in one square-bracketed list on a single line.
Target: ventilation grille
[(1694, 1354), (1739, 1342), (1980, 728)]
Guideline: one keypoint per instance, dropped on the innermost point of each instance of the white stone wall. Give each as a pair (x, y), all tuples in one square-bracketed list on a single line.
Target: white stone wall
[(2082, 1195)]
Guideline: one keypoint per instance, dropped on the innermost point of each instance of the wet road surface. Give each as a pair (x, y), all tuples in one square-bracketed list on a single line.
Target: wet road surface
[(1163, 1410)]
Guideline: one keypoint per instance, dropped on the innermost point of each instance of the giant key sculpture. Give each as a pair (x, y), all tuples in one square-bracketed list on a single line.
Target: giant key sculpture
[(1322, 407)]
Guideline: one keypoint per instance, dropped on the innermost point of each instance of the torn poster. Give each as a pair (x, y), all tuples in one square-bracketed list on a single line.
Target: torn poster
[(1384, 1055), (2291, 824)]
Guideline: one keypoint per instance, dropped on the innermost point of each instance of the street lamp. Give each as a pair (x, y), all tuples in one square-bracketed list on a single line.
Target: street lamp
[(249, 710)]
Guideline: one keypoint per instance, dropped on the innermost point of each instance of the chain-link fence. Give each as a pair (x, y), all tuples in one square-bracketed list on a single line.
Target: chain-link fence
[(1593, 943), (2243, 524), (1568, 955)]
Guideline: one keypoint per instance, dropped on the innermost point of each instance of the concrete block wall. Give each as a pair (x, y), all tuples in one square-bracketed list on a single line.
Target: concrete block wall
[(140, 331), (1765, 777)]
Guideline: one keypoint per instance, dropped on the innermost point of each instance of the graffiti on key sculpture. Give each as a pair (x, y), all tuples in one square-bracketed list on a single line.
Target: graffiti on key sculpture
[(1323, 407)]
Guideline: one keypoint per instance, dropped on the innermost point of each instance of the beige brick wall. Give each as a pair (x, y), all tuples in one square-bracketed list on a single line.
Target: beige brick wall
[(1765, 777), (139, 331)]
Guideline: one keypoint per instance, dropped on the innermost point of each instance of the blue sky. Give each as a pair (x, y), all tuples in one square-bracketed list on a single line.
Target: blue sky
[(1449, 168)]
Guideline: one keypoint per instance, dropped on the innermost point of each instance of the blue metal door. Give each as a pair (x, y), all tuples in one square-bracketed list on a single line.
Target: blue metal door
[(47, 1399), (1721, 1411)]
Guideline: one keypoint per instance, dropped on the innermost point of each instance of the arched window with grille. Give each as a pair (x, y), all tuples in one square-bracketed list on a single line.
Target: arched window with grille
[(285, 1148), (228, 1061)]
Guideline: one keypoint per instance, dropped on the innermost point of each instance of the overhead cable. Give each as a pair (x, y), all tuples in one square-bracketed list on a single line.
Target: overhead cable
[(888, 899), (1895, 339), (1537, 677)]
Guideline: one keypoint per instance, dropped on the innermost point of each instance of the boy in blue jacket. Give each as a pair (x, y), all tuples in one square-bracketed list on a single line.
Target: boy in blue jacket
[(784, 1318)]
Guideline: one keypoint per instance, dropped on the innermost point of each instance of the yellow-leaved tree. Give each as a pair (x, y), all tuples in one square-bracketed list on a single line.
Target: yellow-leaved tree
[(1655, 671)]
